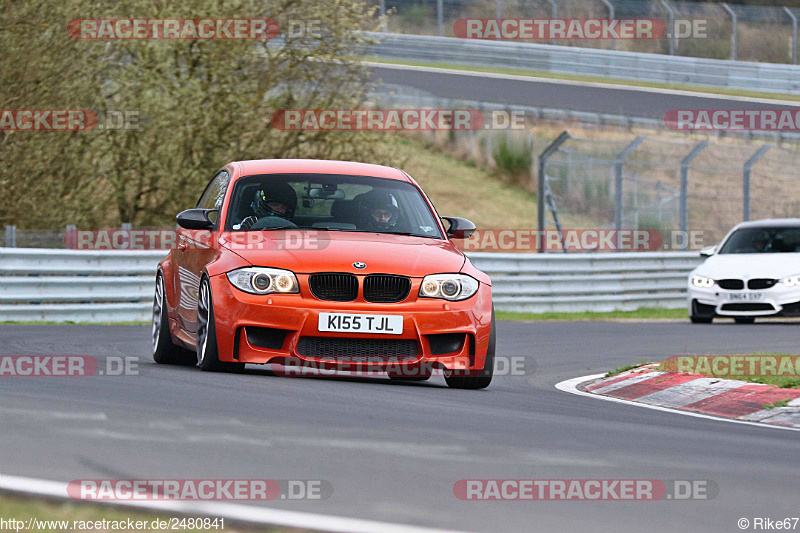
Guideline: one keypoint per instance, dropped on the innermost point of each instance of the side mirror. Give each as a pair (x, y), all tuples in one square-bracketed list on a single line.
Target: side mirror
[(460, 228), (197, 218), (708, 251)]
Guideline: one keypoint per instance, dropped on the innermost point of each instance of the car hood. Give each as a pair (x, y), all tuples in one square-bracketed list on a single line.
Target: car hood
[(308, 251), (747, 266)]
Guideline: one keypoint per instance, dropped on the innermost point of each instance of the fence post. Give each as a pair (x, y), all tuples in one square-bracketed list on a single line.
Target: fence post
[(794, 34), (619, 163), (610, 7), (685, 190), (71, 237), (553, 15), (11, 236), (540, 189), (498, 11), (746, 180), (671, 28), (382, 12), (734, 21), (440, 17)]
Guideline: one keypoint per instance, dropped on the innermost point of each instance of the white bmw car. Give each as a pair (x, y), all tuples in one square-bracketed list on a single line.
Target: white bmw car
[(754, 272)]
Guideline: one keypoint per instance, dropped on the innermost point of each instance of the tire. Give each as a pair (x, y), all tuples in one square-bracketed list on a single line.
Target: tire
[(699, 319), (164, 351), (207, 349), (482, 380), (744, 320)]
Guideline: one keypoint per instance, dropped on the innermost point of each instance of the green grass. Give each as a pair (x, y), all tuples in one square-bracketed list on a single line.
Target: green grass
[(644, 313), (779, 403), (593, 79), (625, 368), (22, 509)]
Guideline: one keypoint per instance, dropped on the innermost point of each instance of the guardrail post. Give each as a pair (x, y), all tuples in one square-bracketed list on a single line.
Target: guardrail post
[(610, 7), (440, 17), (540, 189), (498, 10), (71, 237), (11, 236), (553, 15), (685, 190), (734, 21), (671, 28), (619, 163), (382, 12), (746, 180), (794, 34)]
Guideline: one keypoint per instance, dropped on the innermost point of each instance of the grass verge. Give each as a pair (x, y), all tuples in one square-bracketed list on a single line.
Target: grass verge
[(644, 313), (593, 79), (625, 368)]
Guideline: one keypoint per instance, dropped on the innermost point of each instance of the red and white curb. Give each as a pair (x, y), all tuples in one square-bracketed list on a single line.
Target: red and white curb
[(693, 394)]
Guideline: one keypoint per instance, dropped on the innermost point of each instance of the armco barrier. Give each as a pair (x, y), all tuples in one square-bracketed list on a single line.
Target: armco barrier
[(766, 77), (117, 286)]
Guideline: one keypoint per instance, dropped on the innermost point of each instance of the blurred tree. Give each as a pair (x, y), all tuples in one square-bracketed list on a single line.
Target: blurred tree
[(193, 104)]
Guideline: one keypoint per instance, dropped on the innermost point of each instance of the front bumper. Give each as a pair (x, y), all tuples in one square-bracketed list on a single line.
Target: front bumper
[(264, 329), (778, 300)]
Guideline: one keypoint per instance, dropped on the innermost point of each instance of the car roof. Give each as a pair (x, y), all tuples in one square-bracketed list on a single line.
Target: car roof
[(769, 223), (317, 166)]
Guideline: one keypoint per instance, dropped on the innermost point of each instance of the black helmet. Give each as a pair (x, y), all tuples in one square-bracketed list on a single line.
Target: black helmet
[(379, 211), (275, 192)]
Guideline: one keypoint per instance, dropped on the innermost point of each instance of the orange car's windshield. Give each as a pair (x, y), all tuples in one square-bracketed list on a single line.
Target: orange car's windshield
[(330, 202)]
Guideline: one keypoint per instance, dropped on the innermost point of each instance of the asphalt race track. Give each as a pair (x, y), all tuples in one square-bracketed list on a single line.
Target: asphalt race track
[(393, 451), (555, 94)]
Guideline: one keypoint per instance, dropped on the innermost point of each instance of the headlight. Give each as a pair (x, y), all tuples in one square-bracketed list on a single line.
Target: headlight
[(261, 280), (448, 286), (700, 281), (792, 281)]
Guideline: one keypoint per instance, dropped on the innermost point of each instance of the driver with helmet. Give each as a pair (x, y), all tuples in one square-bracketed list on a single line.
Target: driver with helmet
[(274, 200), (379, 212)]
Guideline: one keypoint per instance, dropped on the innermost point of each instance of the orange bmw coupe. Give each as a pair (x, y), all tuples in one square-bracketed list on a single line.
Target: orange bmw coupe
[(335, 264)]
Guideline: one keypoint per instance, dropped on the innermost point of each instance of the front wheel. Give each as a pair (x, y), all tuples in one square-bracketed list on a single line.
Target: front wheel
[(165, 352), (207, 349), (482, 380)]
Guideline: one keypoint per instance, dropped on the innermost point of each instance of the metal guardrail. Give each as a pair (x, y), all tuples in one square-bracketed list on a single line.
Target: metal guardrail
[(117, 286), (765, 77)]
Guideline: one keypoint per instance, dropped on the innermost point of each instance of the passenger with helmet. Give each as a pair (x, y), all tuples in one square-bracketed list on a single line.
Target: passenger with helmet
[(273, 200), (379, 211)]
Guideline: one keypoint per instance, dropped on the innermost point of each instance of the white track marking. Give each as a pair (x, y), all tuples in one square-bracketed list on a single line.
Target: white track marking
[(556, 81), (232, 511), (571, 386)]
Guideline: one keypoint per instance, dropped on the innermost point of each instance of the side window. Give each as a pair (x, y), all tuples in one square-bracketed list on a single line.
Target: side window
[(215, 191)]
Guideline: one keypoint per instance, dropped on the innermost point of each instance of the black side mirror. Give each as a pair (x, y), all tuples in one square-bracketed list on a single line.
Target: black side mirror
[(460, 228), (197, 218)]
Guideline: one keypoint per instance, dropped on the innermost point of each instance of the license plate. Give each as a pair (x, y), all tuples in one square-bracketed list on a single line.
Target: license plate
[(351, 323), (745, 297)]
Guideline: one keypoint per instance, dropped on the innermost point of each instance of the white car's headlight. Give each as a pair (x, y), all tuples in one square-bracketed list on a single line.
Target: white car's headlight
[(701, 281), (262, 280), (448, 286), (792, 281)]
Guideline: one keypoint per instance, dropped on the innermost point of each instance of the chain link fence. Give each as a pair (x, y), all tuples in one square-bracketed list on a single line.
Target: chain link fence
[(694, 29)]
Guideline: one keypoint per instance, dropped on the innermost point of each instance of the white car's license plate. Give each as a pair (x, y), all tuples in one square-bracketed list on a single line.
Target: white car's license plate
[(745, 297), (351, 323)]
